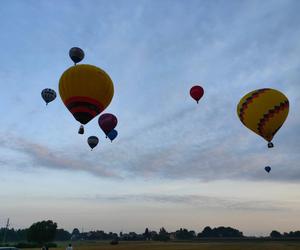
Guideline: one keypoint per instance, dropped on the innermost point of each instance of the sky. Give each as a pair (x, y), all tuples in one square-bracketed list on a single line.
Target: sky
[(174, 163)]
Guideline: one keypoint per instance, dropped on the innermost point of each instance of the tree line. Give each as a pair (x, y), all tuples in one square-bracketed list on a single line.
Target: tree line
[(46, 231)]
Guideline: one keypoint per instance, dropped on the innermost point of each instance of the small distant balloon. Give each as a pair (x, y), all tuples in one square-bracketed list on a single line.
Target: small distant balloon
[(107, 122), (76, 54), (112, 134), (196, 92), (48, 95), (268, 168), (93, 141)]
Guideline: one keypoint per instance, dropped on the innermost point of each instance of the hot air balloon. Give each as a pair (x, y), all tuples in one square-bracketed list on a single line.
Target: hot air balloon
[(268, 168), (107, 122), (86, 91), (76, 54), (264, 111), (112, 134), (93, 141), (196, 92), (48, 95)]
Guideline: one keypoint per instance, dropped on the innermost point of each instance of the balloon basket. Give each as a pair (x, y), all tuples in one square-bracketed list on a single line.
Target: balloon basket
[(81, 130)]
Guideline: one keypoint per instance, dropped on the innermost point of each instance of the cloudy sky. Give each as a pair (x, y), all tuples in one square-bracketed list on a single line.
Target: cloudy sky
[(175, 163)]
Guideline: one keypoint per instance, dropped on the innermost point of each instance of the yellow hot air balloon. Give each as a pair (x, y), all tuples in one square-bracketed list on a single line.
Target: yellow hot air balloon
[(264, 111), (86, 90)]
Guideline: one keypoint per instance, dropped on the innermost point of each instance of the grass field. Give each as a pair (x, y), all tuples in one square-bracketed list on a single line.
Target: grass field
[(104, 245)]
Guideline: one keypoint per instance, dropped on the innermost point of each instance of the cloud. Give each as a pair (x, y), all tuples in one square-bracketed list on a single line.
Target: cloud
[(187, 200), (208, 202), (42, 156)]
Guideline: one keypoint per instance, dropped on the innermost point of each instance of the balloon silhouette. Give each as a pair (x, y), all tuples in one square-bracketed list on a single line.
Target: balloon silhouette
[(76, 54), (48, 95), (92, 141), (107, 122), (196, 92), (112, 134), (268, 169)]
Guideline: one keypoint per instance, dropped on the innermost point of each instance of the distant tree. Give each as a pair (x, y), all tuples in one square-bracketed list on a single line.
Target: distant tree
[(12, 235), (220, 232), (228, 232), (163, 235), (275, 234), (207, 232), (62, 235), (291, 234), (133, 236), (114, 236), (192, 234), (42, 232), (184, 234), (153, 235), (296, 234), (21, 234)]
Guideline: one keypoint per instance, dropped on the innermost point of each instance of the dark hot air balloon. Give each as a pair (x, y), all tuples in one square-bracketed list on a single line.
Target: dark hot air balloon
[(48, 95), (107, 122), (76, 54), (112, 134), (196, 92), (93, 141), (268, 168)]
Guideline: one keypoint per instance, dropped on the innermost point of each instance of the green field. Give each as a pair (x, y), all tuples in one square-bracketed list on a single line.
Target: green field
[(104, 245)]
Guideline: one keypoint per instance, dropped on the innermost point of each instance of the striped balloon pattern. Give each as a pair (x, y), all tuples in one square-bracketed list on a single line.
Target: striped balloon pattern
[(263, 111)]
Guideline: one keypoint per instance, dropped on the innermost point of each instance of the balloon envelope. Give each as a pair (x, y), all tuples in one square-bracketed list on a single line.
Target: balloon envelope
[(76, 54), (268, 169), (93, 141), (112, 134), (196, 92), (107, 122), (263, 111), (48, 95), (86, 91)]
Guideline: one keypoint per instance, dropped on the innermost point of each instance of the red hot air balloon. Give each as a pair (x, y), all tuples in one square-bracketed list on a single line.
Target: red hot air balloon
[(196, 92), (107, 122)]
